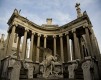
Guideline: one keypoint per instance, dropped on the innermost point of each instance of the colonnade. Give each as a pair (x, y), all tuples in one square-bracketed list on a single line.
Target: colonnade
[(75, 40)]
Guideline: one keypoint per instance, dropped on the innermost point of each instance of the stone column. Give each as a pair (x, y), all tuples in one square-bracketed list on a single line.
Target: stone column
[(38, 45), (18, 46), (11, 40), (86, 70), (45, 41), (76, 49), (68, 46), (61, 48), (54, 44), (88, 41), (72, 49), (24, 44), (31, 45)]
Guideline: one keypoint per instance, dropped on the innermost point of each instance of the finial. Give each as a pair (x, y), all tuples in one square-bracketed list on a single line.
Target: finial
[(16, 11), (19, 11), (77, 5), (78, 10)]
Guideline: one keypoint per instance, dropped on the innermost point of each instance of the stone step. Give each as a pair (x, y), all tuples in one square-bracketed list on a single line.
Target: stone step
[(45, 79), (49, 79)]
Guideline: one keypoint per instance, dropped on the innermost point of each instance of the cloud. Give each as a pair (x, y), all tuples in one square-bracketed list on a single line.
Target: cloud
[(62, 11), (61, 18), (86, 2)]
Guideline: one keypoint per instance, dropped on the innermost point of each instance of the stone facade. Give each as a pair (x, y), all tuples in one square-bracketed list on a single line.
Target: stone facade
[(74, 44)]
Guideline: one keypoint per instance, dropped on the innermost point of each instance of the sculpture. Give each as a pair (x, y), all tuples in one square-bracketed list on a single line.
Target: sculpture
[(48, 63)]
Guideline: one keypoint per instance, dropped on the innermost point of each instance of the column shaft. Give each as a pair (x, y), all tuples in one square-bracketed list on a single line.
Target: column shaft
[(54, 45), (76, 48), (88, 42), (38, 45), (31, 46), (68, 47), (24, 45), (18, 47), (45, 41), (11, 40), (61, 48)]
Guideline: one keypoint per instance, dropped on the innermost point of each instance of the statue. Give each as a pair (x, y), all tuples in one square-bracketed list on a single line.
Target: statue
[(48, 63)]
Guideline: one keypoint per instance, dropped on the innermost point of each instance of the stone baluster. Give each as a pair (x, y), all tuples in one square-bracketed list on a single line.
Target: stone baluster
[(54, 36), (24, 44), (61, 48), (38, 45), (68, 46), (31, 45), (76, 48)]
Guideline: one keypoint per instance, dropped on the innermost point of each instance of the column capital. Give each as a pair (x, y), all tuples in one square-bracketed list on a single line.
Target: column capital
[(60, 35), (26, 29), (74, 30), (67, 33), (39, 35), (33, 32), (45, 36), (14, 24), (85, 25), (54, 36)]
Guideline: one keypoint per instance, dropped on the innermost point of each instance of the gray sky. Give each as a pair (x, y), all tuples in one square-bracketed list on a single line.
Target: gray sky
[(62, 12)]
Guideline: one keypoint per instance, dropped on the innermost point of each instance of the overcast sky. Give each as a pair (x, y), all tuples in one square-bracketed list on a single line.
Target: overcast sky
[(61, 11)]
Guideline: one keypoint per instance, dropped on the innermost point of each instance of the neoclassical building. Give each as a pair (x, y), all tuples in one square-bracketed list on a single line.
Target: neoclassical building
[(74, 44)]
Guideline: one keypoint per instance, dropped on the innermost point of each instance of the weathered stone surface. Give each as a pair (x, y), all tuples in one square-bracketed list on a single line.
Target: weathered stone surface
[(15, 72), (50, 36), (30, 67), (86, 70), (71, 69)]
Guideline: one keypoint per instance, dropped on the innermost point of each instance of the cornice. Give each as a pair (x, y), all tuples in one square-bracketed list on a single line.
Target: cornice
[(59, 28)]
